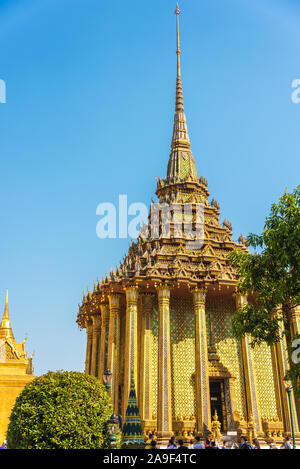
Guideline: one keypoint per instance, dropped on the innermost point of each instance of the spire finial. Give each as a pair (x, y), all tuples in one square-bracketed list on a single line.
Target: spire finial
[(179, 97), (5, 327), (177, 13)]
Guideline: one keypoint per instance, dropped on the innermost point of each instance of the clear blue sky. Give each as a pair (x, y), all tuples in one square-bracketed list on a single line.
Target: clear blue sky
[(90, 102)]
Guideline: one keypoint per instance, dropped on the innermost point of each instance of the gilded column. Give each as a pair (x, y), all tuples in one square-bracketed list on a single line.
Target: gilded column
[(96, 344), (295, 330), (164, 414), (280, 367), (131, 333), (252, 407), (113, 342), (146, 359), (89, 346), (104, 339), (203, 413), (295, 321), (230, 391)]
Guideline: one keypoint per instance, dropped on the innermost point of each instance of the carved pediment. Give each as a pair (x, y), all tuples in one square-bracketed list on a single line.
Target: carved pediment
[(215, 266), (181, 273), (9, 352), (218, 370), (201, 267), (208, 251)]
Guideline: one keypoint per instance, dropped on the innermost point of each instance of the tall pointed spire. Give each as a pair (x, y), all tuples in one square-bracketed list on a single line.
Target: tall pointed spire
[(5, 327), (179, 96), (181, 163)]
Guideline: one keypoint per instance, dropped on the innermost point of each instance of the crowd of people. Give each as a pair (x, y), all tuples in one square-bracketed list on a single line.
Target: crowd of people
[(181, 445), (197, 443)]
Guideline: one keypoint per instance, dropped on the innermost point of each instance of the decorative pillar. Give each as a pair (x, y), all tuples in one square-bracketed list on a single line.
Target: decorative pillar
[(231, 403), (164, 414), (249, 374), (130, 359), (295, 330), (89, 347), (104, 339), (113, 344), (146, 359), (295, 321), (203, 413), (96, 344), (280, 367)]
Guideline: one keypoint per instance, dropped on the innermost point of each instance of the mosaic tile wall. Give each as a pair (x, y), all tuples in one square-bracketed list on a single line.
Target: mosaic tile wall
[(183, 352), (182, 357), (228, 349), (265, 382)]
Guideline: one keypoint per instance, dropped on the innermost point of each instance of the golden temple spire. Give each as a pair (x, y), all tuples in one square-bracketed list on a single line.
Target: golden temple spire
[(179, 96), (5, 327), (181, 161)]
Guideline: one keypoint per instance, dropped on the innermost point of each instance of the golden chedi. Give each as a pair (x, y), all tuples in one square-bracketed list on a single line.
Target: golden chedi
[(15, 370), (165, 312)]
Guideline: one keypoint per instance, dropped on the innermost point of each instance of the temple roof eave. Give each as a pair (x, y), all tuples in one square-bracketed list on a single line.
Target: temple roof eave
[(148, 284)]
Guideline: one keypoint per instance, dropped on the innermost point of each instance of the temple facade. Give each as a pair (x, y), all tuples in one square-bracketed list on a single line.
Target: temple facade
[(15, 370), (165, 314)]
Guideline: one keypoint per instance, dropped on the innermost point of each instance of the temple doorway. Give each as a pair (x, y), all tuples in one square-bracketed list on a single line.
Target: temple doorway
[(217, 401)]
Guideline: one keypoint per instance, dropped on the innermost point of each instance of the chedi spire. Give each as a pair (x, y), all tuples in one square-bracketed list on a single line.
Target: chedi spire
[(5, 327)]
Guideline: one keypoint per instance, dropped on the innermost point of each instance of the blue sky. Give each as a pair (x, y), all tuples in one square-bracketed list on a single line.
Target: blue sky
[(90, 102)]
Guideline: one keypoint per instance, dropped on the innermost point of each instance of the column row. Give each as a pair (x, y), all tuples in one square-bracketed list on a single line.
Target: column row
[(103, 351)]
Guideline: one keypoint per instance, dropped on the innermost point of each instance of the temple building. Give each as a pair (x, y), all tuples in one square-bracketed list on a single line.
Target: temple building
[(165, 314), (15, 370)]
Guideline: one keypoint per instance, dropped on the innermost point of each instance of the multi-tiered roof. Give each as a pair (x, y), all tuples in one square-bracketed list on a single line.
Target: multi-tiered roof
[(155, 259)]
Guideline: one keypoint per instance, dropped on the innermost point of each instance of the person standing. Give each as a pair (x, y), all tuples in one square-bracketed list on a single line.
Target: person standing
[(256, 444), (153, 444), (244, 443), (181, 446), (225, 445), (287, 444), (172, 444), (213, 445), (198, 444)]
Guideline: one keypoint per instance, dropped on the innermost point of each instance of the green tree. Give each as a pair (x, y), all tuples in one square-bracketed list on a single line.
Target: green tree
[(66, 410), (273, 276)]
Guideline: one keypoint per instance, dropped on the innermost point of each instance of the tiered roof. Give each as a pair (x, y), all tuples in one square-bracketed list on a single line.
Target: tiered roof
[(155, 258)]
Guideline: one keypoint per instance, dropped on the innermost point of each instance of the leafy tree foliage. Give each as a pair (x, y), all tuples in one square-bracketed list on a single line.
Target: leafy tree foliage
[(66, 410), (273, 275)]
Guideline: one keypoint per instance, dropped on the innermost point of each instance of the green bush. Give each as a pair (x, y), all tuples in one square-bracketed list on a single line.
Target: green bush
[(65, 410)]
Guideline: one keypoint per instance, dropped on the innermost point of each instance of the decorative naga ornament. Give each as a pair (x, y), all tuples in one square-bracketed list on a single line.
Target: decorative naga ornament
[(164, 315)]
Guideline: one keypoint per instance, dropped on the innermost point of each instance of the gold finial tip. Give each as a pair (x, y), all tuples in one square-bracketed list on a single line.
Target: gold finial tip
[(6, 303), (177, 11)]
